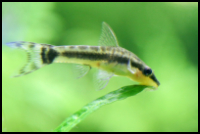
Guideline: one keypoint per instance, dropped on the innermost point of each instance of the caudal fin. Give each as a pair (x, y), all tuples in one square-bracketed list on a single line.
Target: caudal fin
[(39, 55)]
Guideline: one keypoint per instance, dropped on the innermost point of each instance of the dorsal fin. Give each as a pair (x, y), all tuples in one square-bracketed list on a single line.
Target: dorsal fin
[(107, 37)]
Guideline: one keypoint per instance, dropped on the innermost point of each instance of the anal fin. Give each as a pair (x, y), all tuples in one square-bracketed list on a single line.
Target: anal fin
[(81, 70)]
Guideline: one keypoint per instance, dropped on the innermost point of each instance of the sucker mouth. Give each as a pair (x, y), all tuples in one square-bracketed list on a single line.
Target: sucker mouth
[(153, 77)]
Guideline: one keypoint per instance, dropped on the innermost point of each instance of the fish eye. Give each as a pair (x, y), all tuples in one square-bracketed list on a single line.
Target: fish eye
[(147, 71)]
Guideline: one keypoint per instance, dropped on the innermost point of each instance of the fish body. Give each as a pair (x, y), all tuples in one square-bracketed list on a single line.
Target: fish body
[(113, 59)]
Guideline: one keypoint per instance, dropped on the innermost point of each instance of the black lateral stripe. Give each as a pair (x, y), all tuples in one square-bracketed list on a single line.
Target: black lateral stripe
[(44, 59), (101, 56), (52, 54)]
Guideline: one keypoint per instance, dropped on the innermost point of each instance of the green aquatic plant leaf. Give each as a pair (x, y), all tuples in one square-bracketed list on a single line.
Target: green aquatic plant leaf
[(113, 96)]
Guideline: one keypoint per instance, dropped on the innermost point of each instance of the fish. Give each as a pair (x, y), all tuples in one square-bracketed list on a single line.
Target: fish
[(108, 57)]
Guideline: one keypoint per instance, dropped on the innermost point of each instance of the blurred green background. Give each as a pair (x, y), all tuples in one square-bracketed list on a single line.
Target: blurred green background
[(163, 35)]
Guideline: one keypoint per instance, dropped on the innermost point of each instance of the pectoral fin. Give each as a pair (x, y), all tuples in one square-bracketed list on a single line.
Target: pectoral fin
[(132, 70)]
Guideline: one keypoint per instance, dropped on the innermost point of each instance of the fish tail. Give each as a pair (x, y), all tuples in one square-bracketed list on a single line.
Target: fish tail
[(39, 55)]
